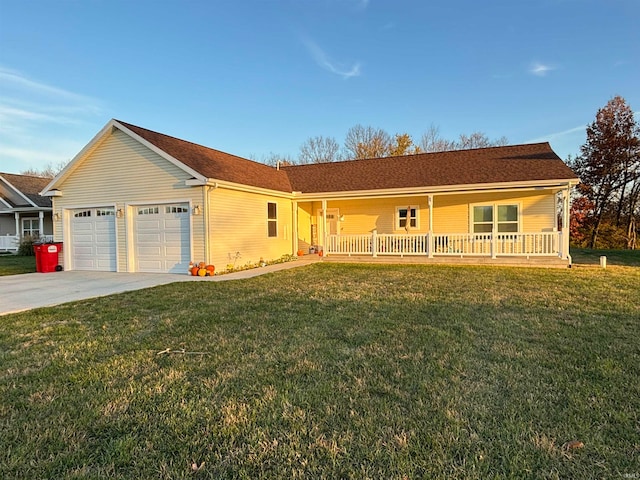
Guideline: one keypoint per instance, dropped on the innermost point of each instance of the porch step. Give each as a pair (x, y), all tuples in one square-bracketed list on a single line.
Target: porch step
[(544, 262)]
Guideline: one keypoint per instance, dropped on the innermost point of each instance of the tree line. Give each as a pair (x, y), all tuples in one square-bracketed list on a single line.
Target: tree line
[(371, 142), (606, 202)]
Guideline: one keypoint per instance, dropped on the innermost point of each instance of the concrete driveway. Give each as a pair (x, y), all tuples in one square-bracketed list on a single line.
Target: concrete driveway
[(34, 290)]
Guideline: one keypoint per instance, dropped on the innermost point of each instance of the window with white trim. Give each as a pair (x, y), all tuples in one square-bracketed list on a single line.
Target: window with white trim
[(406, 215), (499, 218), (105, 212), (30, 227), (272, 219)]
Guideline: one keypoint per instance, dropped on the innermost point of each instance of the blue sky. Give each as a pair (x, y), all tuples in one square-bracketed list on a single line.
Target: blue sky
[(257, 77)]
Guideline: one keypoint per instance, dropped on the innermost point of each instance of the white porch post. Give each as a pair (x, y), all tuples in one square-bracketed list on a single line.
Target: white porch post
[(18, 229), (374, 242), (430, 234), (565, 223), (294, 220), (324, 227), (41, 223)]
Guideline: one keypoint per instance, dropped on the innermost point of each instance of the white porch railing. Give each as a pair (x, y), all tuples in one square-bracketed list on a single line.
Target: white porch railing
[(9, 243), (451, 244)]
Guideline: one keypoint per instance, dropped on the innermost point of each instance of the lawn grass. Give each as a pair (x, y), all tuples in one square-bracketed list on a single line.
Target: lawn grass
[(332, 371), (16, 264), (586, 256)]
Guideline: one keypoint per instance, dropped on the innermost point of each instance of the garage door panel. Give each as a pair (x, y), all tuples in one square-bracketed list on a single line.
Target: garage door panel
[(93, 240), (162, 239)]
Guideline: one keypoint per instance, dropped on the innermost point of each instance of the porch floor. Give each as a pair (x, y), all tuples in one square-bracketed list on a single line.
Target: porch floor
[(515, 261)]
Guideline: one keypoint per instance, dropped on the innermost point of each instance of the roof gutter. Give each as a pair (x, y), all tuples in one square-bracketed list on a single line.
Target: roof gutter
[(440, 190)]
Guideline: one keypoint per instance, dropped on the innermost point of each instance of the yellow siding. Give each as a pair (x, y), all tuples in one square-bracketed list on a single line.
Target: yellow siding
[(122, 171), (305, 220), (450, 212), (238, 227)]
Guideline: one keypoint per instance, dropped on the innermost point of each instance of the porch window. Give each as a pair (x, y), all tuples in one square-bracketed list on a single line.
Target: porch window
[(507, 218), (406, 214), (272, 219), (499, 218), (30, 227)]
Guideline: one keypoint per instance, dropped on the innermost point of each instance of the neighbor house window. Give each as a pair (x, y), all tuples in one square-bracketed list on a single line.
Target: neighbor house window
[(499, 218), (406, 215), (272, 219), (30, 227)]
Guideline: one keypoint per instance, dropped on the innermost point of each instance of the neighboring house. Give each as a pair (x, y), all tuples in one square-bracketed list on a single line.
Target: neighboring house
[(137, 200), (23, 211)]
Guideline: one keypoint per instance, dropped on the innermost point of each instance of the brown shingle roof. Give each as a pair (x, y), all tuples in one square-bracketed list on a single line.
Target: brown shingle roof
[(30, 187), (215, 164), (517, 163)]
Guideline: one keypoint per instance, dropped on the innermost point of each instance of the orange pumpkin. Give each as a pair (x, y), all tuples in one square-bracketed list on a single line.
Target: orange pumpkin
[(210, 269), (300, 253), (202, 265), (194, 271)]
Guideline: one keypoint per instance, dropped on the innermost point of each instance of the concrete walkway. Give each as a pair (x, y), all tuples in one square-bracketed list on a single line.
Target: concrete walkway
[(33, 290)]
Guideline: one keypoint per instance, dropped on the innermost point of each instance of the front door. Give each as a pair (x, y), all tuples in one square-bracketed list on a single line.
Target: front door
[(333, 222)]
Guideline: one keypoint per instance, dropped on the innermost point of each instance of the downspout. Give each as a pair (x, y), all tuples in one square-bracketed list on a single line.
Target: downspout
[(207, 189)]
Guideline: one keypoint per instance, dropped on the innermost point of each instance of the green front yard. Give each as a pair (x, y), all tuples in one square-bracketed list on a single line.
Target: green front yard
[(16, 264), (331, 371)]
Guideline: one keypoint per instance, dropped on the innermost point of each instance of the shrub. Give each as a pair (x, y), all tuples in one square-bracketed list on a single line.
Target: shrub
[(26, 245)]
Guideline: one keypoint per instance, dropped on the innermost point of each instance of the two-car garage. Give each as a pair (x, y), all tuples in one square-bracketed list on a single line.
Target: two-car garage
[(157, 237)]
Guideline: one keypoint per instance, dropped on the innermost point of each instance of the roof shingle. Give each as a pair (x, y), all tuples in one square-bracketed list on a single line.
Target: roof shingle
[(30, 187), (508, 164)]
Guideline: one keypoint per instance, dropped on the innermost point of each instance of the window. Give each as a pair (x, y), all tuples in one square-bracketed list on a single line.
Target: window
[(507, 218), (148, 211), (105, 212), (272, 219), (175, 209), (404, 214), (499, 218), (83, 213), (482, 219), (30, 227)]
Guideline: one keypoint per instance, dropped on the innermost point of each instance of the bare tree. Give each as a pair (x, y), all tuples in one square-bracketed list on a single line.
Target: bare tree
[(366, 142), (478, 140), (432, 141), (319, 150), (48, 171)]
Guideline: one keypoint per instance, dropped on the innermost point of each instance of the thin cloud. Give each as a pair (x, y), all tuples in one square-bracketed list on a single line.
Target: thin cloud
[(39, 123), (323, 60), (558, 135), (540, 70)]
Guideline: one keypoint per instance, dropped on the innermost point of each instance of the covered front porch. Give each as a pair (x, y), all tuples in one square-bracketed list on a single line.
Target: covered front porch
[(527, 224)]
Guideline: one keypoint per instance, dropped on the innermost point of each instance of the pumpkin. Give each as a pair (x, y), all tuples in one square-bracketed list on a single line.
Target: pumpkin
[(194, 271), (210, 269), (300, 253), (202, 272), (202, 265)]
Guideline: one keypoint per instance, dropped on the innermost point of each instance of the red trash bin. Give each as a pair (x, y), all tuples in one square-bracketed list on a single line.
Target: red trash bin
[(47, 256)]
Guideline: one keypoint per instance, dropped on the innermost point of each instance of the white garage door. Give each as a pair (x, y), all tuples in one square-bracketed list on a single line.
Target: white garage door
[(162, 235), (93, 239)]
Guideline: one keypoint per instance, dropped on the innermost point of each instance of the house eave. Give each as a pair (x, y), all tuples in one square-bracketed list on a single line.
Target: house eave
[(439, 190), (214, 183)]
